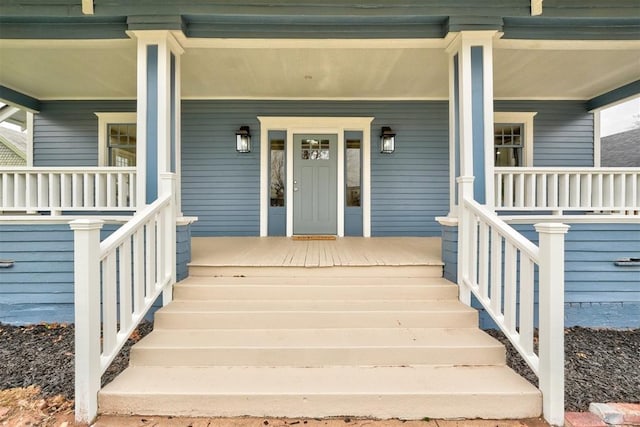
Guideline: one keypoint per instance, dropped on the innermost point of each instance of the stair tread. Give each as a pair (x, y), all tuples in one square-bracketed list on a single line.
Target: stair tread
[(461, 338), (315, 281), (305, 306), (331, 380)]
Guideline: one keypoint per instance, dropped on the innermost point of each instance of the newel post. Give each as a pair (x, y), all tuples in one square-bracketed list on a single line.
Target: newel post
[(465, 191), (87, 317), (168, 187), (551, 325)]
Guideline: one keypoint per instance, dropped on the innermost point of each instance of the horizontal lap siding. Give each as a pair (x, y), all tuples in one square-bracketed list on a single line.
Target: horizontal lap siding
[(563, 131), (39, 286), (66, 132), (221, 187)]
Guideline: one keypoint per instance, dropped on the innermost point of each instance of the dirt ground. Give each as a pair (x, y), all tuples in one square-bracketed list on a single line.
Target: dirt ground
[(23, 407)]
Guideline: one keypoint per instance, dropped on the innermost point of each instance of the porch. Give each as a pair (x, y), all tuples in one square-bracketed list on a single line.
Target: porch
[(341, 252)]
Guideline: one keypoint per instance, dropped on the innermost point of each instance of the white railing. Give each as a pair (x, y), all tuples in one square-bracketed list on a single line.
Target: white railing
[(562, 189), (70, 188), (116, 283), (497, 264)]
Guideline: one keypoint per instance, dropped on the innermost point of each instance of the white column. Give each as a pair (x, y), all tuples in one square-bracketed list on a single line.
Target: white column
[(471, 112), (29, 148), (87, 317), (158, 110), (551, 323)]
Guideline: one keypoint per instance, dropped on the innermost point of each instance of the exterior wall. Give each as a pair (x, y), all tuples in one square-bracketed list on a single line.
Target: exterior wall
[(597, 292), (66, 132), (39, 286), (562, 131), (221, 186)]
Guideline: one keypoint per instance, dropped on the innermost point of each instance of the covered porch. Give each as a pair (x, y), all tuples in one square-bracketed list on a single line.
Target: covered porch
[(341, 252)]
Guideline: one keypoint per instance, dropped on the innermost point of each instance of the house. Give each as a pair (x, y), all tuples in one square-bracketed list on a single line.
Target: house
[(471, 121), (12, 147), (621, 149)]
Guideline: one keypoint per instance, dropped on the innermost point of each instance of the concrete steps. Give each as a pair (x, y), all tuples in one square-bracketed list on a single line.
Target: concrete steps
[(361, 341)]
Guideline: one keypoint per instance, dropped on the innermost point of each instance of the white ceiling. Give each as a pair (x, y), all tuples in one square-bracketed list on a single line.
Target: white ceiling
[(107, 70)]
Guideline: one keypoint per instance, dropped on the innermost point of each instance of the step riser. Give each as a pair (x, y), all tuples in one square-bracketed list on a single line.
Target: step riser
[(317, 357), (402, 406), (399, 271), (296, 320), (239, 292)]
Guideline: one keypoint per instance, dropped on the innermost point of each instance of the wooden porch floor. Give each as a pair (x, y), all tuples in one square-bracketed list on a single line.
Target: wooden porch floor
[(285, 252)]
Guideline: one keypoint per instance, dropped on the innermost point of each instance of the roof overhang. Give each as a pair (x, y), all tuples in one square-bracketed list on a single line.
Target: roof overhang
[(407, 69)]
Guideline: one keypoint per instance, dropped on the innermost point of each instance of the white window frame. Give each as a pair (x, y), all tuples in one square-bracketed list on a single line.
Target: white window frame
[(104, 120), (526, 120)]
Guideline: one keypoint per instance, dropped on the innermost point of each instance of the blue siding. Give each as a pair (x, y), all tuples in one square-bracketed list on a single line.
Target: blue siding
[(409, 187), (39, 286), (563, 131), (597, 292), (221, 187), (152, 124), (66, 132)]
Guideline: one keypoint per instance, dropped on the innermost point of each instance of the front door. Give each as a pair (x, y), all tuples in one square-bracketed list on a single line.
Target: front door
[(315, 184)]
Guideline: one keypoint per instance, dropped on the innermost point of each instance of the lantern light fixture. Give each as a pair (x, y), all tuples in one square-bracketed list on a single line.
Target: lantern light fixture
[(387, 140), (243, 140)]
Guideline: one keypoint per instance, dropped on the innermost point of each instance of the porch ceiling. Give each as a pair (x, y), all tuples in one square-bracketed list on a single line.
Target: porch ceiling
[(409, 69)]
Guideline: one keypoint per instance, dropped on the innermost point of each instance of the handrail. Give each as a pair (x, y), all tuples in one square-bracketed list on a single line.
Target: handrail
[(57, 189), (572, 188), (116, 283), (497, 265)]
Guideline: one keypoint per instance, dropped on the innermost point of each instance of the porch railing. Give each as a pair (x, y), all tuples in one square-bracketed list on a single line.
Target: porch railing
[(561, 189), (69, 188), (116, 283), (497, 265)]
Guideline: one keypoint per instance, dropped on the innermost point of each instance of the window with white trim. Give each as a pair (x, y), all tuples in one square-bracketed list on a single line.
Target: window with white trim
[(117, 139), (513, 139)]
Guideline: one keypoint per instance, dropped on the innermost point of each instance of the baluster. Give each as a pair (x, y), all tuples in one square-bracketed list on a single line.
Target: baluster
[(542, 190), (520, 192), (109, 304), (575, 191), (498, 190), (20, 190), (139, 271), (150, 254), (526, 304), (530, 190), (510, 286), (124, 253), (596, 191), (496, 272), (508, 191), (88, 187), (483, 262)]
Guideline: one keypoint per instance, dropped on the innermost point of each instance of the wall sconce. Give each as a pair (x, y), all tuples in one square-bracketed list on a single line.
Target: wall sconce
[(387, 140), (243, 140)]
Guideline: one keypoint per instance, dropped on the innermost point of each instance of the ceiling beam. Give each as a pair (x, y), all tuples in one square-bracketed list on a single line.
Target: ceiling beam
[(623, 92), (15, 98)]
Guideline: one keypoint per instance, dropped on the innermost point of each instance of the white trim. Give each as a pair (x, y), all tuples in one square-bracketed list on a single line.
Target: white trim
[(186, 220), (326, 125), (526, 118), (487, 73), (527, 44), (87, 7), (29, 149), (572, 219), (536, 7), (448, 221), (267, 43), (104, 119), (8, 112), (597, 144), (453, 207)]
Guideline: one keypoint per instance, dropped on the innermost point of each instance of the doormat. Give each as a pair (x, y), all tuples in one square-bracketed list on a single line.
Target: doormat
[(313, 237)]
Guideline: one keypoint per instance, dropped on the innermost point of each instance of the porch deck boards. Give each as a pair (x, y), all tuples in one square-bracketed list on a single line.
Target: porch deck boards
[(286, 252)]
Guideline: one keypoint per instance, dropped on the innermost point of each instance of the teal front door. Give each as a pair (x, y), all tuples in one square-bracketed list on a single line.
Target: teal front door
[(315, 184)]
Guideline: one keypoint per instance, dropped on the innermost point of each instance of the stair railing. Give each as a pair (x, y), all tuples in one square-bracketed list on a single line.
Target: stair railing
[(116, 283), (497, 265)]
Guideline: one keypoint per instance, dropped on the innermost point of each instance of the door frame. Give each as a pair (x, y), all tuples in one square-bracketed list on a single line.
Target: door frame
[(319, 125)]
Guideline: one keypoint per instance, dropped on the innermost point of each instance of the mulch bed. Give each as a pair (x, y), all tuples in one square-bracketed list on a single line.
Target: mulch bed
[(601, 365)]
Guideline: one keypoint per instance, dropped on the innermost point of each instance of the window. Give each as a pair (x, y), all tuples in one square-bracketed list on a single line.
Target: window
[(121, 146), (508, 144), (278, 180), (353, 172), (513, 139), (117, 139)]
